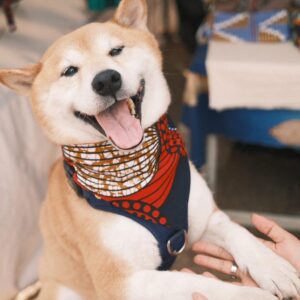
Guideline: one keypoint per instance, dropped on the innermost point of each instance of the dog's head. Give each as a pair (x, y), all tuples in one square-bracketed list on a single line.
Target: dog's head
[(102, 81)]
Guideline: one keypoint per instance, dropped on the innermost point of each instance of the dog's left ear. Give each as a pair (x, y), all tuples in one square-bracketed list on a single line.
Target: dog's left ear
[(20, 80), (132, 13)]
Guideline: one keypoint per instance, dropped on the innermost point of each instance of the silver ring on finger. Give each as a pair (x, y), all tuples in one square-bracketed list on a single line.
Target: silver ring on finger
[(233, 271)]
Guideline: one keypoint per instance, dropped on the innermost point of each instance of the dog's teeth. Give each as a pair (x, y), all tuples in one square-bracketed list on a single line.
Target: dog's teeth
[(131, 107)]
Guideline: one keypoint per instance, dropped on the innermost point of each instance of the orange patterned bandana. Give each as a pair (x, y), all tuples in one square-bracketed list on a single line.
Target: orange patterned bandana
[(138, 181), (109, 172)]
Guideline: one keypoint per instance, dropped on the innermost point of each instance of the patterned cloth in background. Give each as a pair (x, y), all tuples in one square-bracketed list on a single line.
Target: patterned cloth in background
[(270, 26), (246, 20), (249, 5)]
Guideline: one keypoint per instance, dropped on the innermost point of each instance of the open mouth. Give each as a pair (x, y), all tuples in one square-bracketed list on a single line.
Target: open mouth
[(121, 122)]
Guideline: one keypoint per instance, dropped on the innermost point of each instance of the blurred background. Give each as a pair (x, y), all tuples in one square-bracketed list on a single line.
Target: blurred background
[(233, 67)]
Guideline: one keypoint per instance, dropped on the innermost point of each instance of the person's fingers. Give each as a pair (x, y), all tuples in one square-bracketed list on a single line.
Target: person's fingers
[(244, 280), (269, 228), (209, 275), (220, 265), (198, 296), (223, 266), (213, 250)]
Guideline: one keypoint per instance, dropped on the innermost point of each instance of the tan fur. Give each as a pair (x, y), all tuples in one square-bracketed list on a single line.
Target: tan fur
[(132, 14), (36, 79), (70, 227), (83, 39), (20, 80), (71, 232), (31, 292)]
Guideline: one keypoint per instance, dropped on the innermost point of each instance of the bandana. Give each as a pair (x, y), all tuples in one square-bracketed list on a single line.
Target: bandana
[(149, 184)]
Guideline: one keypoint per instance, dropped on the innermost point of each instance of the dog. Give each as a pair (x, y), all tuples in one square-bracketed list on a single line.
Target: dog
[(100, 93)]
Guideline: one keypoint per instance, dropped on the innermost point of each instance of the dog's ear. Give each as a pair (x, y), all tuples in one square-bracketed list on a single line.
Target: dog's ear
[(132, 13), (20, 80)]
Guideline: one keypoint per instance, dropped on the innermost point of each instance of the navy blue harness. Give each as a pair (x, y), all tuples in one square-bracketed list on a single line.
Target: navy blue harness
[(171, 236)]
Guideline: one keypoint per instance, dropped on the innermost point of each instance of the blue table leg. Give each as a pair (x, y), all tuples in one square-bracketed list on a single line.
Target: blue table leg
[(196, 119)]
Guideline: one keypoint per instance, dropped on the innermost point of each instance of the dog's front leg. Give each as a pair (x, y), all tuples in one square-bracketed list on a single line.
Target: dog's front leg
[(270, 271), (160, 285), (201, 206)]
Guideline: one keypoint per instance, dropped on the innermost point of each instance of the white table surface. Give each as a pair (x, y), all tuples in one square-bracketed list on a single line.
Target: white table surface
[(253, 75)]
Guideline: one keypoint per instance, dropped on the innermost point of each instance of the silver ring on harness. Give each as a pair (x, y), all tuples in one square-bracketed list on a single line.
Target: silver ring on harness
[(177, 252)]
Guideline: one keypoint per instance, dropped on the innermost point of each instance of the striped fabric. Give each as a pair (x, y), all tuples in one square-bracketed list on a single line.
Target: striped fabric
[(250, 5), (251, 27), (139, 181)]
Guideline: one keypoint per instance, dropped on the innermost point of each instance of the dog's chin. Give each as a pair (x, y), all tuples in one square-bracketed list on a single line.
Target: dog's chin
[(121, 122)]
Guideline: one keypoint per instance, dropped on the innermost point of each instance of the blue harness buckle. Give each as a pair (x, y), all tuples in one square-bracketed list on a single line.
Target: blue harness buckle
[(177, 243)]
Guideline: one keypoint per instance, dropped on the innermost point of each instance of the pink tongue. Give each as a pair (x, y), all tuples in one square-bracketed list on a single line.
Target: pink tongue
[(120, 126)]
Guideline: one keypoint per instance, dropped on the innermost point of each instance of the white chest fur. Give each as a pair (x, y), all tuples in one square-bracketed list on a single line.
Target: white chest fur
[(136, 245), (132, 243)]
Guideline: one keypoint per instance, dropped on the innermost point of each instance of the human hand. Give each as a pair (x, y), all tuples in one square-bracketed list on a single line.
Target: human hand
[(218, 259), (283, 243)]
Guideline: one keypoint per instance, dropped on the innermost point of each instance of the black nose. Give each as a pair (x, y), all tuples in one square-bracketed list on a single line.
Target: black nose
[(107, 83)]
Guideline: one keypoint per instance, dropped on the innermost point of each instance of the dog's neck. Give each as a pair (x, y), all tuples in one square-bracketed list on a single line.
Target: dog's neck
[(109, 172)]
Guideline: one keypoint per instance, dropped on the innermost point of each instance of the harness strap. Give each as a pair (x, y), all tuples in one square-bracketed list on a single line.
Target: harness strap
[(171, 241)]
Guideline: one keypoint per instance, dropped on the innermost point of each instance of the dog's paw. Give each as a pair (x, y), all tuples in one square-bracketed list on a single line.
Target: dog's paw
[(234, 292), (274, 274), (247, 293), (225, 291)]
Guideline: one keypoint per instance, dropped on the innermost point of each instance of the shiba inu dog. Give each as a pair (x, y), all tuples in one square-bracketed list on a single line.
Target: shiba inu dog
[(124, 200)]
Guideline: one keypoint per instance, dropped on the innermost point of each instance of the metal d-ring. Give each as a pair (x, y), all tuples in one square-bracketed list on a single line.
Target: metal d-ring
[(174, 252)]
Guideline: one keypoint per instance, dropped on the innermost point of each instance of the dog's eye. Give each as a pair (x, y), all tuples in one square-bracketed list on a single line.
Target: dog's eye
[(70, 71), (116, 51)]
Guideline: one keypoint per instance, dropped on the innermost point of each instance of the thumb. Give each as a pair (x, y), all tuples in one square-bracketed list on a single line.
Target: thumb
[(269, 228)]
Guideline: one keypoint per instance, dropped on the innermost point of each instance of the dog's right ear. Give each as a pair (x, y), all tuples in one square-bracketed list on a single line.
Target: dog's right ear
[(20, 80), (132, 14)]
